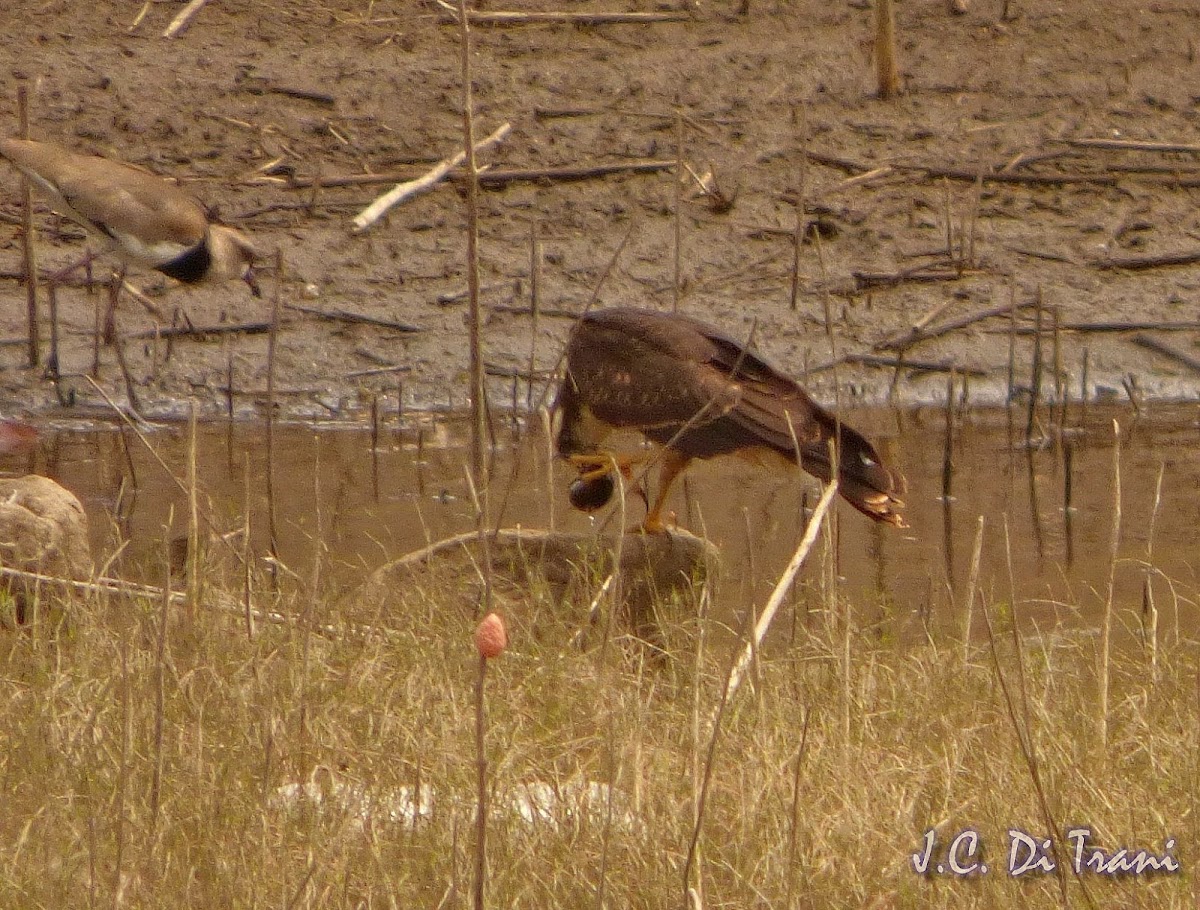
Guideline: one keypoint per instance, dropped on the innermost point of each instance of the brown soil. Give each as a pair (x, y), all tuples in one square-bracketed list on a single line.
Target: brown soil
[(754, 87)]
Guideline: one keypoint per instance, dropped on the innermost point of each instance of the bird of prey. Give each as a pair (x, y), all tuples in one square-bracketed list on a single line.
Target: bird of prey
[(698, 393), (142, 217)]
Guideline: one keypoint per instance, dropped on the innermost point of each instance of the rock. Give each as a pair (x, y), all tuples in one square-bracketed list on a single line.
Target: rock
[(654, 568), (43, 529)]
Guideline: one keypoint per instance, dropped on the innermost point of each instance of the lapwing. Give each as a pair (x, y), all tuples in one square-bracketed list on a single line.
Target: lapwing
[(142, 217)]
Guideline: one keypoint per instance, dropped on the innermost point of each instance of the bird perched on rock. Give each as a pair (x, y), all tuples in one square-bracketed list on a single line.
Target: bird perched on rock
[(698, 393), (142, 217)]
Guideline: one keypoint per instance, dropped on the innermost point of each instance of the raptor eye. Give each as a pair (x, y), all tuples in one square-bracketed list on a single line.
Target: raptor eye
[(593, 494)]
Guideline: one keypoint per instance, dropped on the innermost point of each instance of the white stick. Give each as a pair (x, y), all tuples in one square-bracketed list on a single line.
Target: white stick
[(180, 22), (402, 191), (738, 673)]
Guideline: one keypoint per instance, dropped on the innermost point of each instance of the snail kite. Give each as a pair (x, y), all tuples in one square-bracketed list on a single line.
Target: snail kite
[(699, 393)]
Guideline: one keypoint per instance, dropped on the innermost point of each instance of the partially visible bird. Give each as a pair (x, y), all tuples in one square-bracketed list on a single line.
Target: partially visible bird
[(143, 218), (699, 393)]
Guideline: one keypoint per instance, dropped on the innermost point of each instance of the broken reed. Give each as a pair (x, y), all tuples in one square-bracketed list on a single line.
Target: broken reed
[(478, 475), (28, 239), (272, 342), (887, 71), (1105, 657)]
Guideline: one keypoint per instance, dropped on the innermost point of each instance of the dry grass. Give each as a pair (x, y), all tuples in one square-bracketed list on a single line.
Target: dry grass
[(368, 718)]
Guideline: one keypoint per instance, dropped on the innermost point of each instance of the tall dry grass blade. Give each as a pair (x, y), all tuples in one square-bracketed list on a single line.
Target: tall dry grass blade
[(948, 219), (548, 432), (694, 883), (1083, 385), (972, 584), (194, 562), (52, 362), (1068, 457), (1060, 373), (677, 277), (127, 377), (607, 827), (247, 579), (1020, 724), (318, 529), (98, 329), (1149, 609), (742, 663), (481, 793), (479, 405), (227, 344), (797, 243), (1104, 662), (125, 686), (160, 685), (535, 306), (1150, 625), (375, 447), (948, 441), (1035, 379), (801, 207), (616, 588), (794, 819), (475, 317), (968, 259), (28, 239), (272, 343), (1010, 400)]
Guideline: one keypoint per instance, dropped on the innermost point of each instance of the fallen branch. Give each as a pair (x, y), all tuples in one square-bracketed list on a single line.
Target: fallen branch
[(292, 182), (353, 318), (380, 371), (921, 273), (994, 176), (528, 311), (1133, 145), (259, 86), (184, 19), (496, 177), (506, 18), (1099, 327), (201, 333), (1161, 347), (1134, 263), (919, 366), (401, 191), (911, 337), (508, 372), (1040, 254), (311, 207)]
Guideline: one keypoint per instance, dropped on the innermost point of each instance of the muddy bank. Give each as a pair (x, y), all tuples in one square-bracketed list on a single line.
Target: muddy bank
[(273, 114)]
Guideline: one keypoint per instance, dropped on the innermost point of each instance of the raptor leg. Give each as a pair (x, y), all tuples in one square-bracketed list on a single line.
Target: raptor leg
[(673, 464), (592, 466)]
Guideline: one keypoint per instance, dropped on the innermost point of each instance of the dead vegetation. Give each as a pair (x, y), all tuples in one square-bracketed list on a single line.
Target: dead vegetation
[(164, 756)]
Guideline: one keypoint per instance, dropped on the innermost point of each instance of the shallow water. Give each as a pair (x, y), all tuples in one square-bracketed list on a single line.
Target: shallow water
[(371, 504)]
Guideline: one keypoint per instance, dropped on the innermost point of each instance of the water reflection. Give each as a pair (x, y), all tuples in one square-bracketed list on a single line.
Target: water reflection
[(374, 502)]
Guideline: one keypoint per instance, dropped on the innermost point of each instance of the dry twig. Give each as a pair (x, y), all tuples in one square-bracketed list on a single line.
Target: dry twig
[(184, 19), (505, 17), (377, 209), (1161, 347)]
